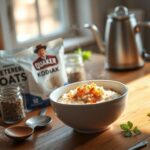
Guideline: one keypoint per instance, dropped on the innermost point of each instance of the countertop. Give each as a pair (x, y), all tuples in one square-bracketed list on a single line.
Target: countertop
[(58, 136)]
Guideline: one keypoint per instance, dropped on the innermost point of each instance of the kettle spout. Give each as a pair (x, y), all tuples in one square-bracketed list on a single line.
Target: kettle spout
[(97, 36)]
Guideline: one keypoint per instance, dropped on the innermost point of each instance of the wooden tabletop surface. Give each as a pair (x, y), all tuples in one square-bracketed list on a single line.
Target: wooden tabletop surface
[(58, 136)]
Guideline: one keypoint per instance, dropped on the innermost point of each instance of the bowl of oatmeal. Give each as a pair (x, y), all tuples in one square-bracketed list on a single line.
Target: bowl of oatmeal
[(89, 106)]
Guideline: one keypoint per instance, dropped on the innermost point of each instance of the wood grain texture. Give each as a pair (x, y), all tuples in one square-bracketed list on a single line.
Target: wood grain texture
[(58, 136)]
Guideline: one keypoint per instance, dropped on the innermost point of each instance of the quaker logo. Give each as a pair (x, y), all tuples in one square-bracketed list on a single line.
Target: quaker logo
[(43, 60)]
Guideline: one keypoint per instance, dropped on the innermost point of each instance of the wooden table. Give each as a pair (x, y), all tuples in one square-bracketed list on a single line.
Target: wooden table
[(58, 136)]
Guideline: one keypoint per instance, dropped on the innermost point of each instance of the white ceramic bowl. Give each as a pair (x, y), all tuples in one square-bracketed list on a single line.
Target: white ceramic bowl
[(90, 118)]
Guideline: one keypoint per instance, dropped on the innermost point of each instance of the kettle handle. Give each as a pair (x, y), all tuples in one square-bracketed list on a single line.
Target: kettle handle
[(140, 25), (137, 29)]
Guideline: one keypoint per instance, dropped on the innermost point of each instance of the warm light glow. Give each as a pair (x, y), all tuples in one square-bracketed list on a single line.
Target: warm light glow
[(29, 1), (20, 14), (25, 17)]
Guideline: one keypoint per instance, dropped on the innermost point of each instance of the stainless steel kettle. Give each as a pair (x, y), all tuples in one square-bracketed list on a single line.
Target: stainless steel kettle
[(123, 45)]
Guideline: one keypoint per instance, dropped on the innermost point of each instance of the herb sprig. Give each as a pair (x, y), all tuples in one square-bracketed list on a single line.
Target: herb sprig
[(86, 54), (130, 130)]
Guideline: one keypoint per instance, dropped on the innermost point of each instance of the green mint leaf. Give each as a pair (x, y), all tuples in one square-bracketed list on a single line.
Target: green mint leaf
[(127, 129), (124, 127), (130, 124), (136, 131), (127, 133), (86, 55)]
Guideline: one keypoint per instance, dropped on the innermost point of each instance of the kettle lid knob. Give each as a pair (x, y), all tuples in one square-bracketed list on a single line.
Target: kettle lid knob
[(120, 12)]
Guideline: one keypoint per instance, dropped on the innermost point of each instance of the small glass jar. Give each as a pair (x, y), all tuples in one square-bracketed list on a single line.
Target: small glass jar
[(74, 68), (12, 104)]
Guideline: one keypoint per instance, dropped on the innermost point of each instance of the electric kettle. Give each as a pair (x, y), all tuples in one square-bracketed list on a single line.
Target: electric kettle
[(122, 42)]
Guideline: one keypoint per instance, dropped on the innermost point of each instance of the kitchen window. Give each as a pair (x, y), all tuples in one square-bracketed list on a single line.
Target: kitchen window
[(28, 22), (32, 21), (37, 18)]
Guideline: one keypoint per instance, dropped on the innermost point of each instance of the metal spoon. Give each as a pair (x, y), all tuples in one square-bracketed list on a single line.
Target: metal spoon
[(139, 145), (39, 121), (23, 132)]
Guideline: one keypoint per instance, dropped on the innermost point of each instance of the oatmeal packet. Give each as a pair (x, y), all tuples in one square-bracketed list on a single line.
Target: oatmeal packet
[(11, 72), (45, 70)]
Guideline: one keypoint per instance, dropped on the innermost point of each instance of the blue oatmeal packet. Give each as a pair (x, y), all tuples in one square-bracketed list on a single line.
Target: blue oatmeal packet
[(41, 69)]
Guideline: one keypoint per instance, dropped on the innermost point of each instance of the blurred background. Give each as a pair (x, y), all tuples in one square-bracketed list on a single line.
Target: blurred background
[(24, 23)]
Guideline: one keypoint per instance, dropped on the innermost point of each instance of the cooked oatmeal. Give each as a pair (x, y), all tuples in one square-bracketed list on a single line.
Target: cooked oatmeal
[(88, 94)]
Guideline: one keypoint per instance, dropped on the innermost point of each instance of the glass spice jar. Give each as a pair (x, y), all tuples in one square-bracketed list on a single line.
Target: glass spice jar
[(12, 104), (74, 67)]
